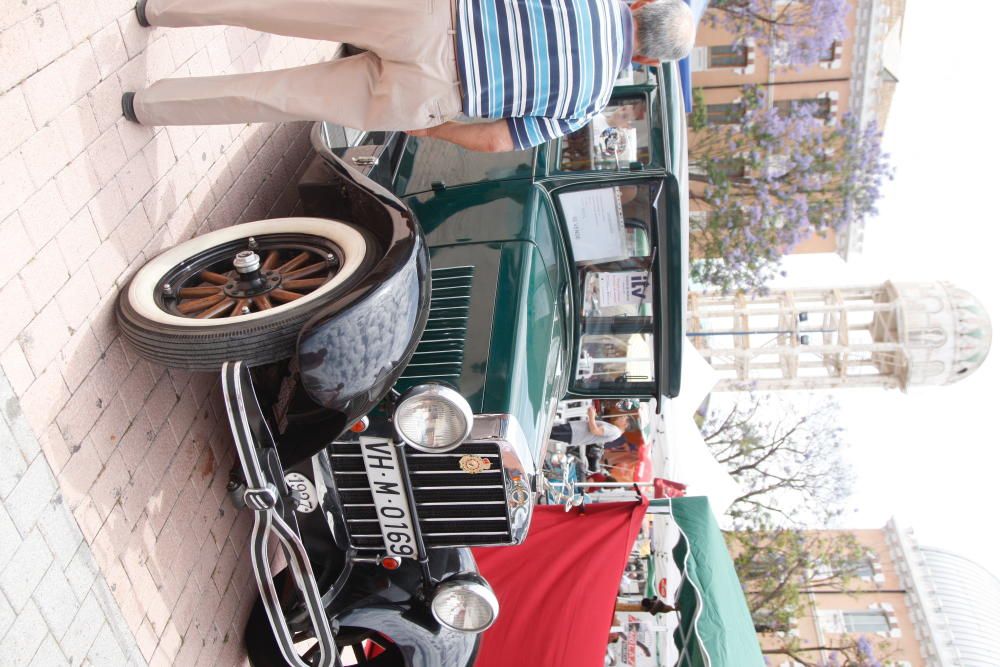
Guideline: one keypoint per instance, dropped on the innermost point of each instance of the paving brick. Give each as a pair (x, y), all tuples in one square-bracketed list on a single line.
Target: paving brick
[(136, 387), (7, 615), (77, 126), (78, 240), (42, 339), (47, 35), (80, 414), (24, 636), (110, 485), (110, 374), (60, 531), (109, 49), (159, 154), (81, 571), (78, 475), (134, 136), (17, 311), (18, 126), (25, 570), (26, 502), (44, 214), (16, 368), (81, 17), (136, 441), (81, 633), (107, 155), (51, 598), (108, 209), (134, 232), (137, 493), (77, 297), (146, 639), (79, 356), (106, 264), (16, 55), (49, 654), (77, 183), (44, 275), (53, 444), (44, 154), (44, 398), (105, 99), (15, 247), (159, 60), (56, 87), (12, 467), (15, 183)]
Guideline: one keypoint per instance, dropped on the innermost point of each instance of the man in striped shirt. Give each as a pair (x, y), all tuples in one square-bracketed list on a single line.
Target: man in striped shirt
[(528, 70)]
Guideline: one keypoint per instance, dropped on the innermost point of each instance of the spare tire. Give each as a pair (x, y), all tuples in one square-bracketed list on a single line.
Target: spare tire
[(192, 308)]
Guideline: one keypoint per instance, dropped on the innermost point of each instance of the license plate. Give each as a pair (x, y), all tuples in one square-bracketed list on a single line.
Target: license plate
[(391, 507)]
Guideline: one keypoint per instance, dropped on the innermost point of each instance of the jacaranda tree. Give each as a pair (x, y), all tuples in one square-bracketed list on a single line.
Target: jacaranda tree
[(798, 33), (768, 178)]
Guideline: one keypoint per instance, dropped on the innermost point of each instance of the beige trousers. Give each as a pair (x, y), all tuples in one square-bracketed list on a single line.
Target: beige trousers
[(408, 78)]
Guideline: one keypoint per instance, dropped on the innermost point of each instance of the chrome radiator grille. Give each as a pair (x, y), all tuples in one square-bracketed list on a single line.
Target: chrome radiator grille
[(441, 350), (454, 508)]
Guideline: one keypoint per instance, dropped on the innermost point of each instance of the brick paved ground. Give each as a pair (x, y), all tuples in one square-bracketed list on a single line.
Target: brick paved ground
[(135, 454)]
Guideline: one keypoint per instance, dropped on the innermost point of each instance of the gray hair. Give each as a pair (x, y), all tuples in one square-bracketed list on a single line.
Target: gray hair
[(665, 30)]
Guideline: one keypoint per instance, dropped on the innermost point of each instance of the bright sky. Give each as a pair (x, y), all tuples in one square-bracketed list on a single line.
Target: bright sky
[(932, 457)]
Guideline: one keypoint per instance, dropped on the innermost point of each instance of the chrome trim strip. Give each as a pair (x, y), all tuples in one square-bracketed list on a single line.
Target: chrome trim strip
[(478, 486), (468, 502), (478, 532)]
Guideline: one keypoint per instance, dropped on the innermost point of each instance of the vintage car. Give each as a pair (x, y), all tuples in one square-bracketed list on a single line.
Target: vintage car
[(392, 357)]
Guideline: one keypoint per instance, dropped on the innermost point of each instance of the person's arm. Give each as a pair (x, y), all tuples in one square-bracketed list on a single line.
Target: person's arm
[(493, 137), (592, 424)]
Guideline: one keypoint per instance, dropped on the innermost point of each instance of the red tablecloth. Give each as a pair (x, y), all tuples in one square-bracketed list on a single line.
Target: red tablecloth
[(557, 590)]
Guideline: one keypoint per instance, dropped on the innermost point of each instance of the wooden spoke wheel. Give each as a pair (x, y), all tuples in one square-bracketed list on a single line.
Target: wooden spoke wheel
[(242, 292)]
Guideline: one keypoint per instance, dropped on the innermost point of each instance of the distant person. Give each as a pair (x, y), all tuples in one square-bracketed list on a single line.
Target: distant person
[(592, 433), (533, 69)]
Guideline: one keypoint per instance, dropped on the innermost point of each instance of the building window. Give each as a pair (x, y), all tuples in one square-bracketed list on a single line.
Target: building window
[(723, 114), (831, 53), (819, 107), (728, 56), (863, 569), (832, 58), (866, 621)]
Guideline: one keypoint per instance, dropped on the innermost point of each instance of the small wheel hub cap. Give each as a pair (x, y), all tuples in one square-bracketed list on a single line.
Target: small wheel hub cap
[(246, 261)]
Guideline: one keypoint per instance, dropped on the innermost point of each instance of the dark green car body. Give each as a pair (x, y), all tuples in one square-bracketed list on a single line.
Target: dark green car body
[(503, 327)]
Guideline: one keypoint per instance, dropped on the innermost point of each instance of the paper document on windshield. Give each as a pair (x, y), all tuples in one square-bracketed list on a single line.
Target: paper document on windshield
[(623, 288), (596, 224)]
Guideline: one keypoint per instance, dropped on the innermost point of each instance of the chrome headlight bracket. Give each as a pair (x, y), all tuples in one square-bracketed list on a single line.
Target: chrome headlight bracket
[(457, 406), (473, 586)]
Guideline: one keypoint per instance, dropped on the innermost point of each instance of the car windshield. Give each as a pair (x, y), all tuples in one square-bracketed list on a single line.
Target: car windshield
[(612, 240)]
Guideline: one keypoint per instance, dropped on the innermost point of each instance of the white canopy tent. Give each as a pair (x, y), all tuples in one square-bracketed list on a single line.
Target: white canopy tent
[(678, 449)]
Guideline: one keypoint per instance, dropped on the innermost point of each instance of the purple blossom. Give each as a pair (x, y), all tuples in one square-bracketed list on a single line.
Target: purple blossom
[(795, 33), (799, 175)]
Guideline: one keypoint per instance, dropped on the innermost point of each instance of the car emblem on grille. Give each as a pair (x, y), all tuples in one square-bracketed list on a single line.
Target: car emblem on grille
[(519, 495), (473, 464)]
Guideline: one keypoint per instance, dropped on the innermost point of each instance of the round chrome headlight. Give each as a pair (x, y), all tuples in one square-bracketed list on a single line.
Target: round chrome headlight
[(465, 605), (433, 418)]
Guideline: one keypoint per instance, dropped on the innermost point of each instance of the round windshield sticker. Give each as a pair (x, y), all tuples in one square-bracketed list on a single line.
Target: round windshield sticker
[(302, 491), (661, 588)]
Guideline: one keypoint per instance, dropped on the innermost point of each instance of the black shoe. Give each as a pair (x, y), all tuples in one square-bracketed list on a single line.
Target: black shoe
[(140, 13), (128, 107)]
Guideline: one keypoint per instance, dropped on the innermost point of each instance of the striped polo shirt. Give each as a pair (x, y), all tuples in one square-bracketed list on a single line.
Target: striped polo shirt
[(546, 66)]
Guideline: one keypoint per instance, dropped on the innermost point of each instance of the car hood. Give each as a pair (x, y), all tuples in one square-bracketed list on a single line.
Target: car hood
[(495, 332)]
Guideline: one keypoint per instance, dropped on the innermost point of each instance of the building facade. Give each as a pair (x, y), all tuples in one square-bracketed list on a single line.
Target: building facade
[(917, 607), (857, 75)]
